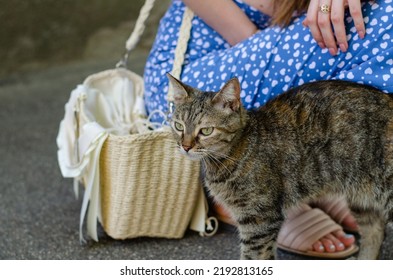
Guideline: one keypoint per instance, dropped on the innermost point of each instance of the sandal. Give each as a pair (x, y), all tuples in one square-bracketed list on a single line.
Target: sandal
[(338, 210), (298, 234)]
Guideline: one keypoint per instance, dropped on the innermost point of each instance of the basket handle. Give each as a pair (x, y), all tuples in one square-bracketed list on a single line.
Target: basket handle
[(139, 28), (181, 48), (136, 34)]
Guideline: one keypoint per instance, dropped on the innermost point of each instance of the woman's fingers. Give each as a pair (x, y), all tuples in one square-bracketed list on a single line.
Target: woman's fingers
[(337, 21), (318, 20), (325, 18), (325, 25), (311, 22), (355, 9)]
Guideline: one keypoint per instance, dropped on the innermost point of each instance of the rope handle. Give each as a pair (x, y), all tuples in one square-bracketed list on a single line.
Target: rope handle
[(139, 25), (181, 48), (136, 34)]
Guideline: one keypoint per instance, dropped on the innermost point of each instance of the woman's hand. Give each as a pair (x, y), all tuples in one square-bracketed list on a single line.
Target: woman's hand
[(322, 15)]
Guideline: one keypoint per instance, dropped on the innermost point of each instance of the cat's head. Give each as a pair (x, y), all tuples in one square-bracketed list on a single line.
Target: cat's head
[(205, 124)]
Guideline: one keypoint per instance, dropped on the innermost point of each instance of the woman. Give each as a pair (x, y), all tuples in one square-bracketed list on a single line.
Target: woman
[(271, 46)]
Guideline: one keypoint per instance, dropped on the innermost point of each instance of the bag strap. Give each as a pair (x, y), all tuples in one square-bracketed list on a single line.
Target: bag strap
[(139, 28), (181, 48), (137, 32)]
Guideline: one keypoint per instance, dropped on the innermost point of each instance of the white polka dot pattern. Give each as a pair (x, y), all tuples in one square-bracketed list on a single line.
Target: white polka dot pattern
[(272, 60)]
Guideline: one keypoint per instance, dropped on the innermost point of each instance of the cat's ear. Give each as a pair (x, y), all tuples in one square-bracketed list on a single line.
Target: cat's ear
[(180, 94), (228, 97)]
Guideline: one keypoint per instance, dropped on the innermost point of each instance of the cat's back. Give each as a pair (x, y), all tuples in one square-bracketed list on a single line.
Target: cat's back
[(334, 123), (328, 131), (329, 104)]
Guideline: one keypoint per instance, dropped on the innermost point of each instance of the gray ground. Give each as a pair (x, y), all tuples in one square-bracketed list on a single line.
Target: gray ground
[(39, 213)]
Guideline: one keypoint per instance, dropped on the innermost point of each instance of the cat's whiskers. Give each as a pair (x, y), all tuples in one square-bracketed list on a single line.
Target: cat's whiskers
[(206, 157), (212, 156), (224, 156)]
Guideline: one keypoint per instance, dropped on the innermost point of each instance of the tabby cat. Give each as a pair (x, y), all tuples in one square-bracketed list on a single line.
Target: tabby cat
[(321, 139)]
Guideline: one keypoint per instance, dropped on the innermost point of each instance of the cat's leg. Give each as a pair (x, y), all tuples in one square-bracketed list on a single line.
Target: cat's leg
[(258, 239), (257, 247), (372, 228)]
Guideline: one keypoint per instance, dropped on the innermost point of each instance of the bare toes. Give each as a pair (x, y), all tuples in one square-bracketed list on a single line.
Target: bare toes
[(338, 245), (328, 244), (346, 239), (318, 247)]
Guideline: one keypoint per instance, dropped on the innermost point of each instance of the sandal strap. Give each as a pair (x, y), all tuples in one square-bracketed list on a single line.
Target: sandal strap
[(336, 208), (305, 229)]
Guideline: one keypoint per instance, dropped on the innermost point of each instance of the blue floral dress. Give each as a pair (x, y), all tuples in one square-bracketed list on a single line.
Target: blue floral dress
[(272, 60)]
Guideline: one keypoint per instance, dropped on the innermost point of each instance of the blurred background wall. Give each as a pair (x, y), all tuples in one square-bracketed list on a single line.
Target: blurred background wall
[(35, 34)]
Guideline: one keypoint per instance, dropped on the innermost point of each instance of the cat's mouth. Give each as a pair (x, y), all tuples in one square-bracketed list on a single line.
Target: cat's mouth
[(192, 154)]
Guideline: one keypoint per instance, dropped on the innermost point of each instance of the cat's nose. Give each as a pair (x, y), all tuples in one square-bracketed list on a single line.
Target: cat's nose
[(187, 148)]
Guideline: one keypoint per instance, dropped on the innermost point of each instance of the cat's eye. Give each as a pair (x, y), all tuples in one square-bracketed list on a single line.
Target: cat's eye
[(206, 131), (179, 126)]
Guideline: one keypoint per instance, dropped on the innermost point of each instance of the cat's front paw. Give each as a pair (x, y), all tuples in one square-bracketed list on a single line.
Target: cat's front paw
[(257, 253), (257, 257)]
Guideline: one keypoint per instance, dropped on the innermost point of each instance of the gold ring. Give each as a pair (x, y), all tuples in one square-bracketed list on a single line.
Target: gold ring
[(325, 8)]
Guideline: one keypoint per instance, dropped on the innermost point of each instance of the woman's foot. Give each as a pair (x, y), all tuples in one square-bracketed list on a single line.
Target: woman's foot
[(338, 210)]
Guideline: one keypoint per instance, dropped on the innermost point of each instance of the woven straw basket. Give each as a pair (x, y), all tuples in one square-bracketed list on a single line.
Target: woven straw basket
[(147, 187), (136, 184)]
